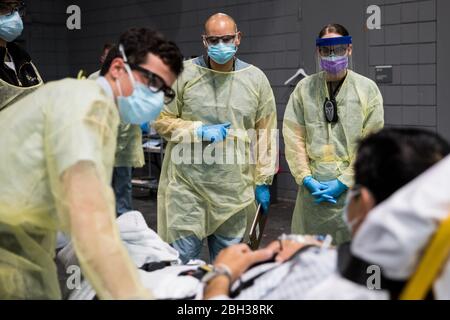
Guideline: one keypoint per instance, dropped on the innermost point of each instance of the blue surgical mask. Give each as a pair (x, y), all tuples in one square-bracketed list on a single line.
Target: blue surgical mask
[(222, 53), (350, 224), (142, 106), (11, 27)]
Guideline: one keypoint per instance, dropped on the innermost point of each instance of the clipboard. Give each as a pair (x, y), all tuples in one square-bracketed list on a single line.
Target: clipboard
[(257, 228)]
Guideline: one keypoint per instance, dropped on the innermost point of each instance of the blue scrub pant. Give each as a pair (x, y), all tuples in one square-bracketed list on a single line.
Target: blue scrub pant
[(122, 187), (191, 247)]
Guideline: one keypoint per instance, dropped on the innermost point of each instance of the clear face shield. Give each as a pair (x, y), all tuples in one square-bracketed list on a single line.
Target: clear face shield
[(334, 55)]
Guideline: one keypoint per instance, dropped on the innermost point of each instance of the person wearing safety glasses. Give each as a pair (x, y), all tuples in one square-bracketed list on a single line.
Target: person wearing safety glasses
[(129, 152), (57, 163), (220, 101), (18, 75), (326, 116)]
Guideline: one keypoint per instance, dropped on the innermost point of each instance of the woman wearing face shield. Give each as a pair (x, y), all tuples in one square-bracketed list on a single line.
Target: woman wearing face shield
[(326, 116), (18, 75)]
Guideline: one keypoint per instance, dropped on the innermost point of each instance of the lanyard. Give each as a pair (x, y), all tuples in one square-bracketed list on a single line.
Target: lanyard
[(330, 106), (335, 91)]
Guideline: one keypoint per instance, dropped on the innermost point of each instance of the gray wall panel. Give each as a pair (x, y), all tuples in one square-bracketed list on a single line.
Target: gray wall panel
[(278, 37)]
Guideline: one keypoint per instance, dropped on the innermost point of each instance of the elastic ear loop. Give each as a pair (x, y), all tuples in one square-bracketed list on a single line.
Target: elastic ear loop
[(119, 87), (127, 67)]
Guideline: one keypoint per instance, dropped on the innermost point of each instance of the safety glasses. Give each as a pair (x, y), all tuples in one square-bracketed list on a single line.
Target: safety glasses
[(9, 8), (155, 83), (339, 50), (214, 40)]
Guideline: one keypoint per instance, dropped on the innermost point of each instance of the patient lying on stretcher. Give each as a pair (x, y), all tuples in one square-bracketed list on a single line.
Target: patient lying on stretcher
[(385, 163), (298, 267)]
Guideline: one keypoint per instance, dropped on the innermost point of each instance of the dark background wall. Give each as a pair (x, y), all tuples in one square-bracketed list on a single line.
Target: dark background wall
[(279, 38), (408, 42), (47, 38)]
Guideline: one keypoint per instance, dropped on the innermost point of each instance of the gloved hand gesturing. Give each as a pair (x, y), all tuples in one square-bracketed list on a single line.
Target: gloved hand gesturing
[(314, 187), (334, 189), (214, 133), (262, 195)]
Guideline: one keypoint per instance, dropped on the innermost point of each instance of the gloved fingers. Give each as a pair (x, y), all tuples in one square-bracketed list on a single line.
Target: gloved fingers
[(220, 136), (314, 185), (216, 134), (320, 200), (226, 125), (320, 193), (322, 186), (262, 196), (326, 196), (314, 190), (265, 206), (223, 132)]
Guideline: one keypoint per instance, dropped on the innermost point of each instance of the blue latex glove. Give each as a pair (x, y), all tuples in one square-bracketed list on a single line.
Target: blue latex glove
[(334, 189), (213, 133), (262, 195), (315, 186), (325, 198), (145, 128)]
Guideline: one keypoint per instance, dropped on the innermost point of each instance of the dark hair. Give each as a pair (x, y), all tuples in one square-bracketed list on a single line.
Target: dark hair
[(334, 28), (108, 46), (11, 1), (139, 42), (389, 159)]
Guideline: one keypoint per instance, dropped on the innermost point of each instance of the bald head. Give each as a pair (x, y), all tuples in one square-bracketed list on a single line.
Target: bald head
[(220, 24)]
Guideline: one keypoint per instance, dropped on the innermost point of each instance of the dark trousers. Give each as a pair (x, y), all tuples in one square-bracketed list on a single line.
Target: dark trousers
[(122, 187)]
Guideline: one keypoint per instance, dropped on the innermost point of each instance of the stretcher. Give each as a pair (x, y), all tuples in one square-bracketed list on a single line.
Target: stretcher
[(433, 261)]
